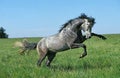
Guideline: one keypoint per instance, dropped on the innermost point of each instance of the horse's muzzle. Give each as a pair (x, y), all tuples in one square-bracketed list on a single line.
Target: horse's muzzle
[(88, 35)]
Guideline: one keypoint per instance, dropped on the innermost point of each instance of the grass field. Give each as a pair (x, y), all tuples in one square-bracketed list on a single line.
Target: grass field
[(102, 61)]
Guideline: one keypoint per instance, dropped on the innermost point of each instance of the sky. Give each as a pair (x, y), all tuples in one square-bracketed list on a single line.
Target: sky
[(41, 18)]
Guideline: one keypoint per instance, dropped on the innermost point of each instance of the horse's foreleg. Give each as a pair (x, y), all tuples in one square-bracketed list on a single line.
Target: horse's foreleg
[(85, 51), (99, 36), (50, 56), (76, 45)]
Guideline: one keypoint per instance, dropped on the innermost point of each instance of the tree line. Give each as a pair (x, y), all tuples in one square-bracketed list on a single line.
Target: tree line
[(2, 33)]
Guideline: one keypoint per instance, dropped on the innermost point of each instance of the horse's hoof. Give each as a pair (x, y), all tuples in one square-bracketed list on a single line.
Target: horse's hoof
[(81, 56), (48, 65), (38, 64)]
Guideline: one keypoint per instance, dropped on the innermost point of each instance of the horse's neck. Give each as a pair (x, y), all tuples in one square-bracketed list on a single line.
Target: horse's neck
[(68, 35), (80, 38), (79, 33)]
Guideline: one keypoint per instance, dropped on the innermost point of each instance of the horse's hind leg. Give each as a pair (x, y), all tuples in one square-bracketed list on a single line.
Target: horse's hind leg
[(42, 57), (42, 54), (50, 56)]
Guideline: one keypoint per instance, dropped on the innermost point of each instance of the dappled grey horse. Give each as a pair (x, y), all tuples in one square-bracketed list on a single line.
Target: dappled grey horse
[(65, 39)]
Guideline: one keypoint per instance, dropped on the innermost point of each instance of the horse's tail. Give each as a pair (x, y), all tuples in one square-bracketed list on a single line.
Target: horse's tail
[(25, 41), (21, 44), (18, 44), (35, 45)]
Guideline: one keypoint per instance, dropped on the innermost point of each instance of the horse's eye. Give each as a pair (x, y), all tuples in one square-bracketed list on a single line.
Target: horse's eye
[(88, 24)]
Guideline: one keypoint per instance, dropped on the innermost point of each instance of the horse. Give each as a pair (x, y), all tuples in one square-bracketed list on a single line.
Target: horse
[(65, 39)]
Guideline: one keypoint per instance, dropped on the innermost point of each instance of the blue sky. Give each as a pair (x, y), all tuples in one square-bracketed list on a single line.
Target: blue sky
[(36, 18)]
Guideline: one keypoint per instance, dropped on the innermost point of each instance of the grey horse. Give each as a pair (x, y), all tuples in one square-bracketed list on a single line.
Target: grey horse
[(65, 39)]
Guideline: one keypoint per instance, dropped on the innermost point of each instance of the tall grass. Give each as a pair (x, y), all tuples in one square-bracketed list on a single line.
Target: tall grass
[(102, 61)]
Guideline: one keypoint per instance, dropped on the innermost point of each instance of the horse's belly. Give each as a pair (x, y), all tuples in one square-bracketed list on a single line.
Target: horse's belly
[(57, 46)]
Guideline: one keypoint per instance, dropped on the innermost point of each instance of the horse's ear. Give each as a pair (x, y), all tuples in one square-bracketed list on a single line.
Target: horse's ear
[(92, 20), (83, 15)]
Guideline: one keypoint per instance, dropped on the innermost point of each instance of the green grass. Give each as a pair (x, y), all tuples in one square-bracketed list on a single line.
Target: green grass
[(102, 61)]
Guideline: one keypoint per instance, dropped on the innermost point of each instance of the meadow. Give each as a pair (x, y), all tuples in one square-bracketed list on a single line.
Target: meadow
[(102, 61)]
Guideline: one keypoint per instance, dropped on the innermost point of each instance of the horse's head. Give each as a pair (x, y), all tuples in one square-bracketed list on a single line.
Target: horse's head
[(87, 26), (80, 23)]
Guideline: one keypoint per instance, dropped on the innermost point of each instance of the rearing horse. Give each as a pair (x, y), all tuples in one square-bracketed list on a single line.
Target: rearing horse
[(65, 39)]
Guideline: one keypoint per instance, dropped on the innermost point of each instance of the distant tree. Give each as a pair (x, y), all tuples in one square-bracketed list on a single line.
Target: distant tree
[(2, 33)]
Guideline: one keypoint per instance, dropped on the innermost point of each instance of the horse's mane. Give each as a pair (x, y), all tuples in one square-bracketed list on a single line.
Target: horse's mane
[(65, 25), (90, 19), (82, 16)]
